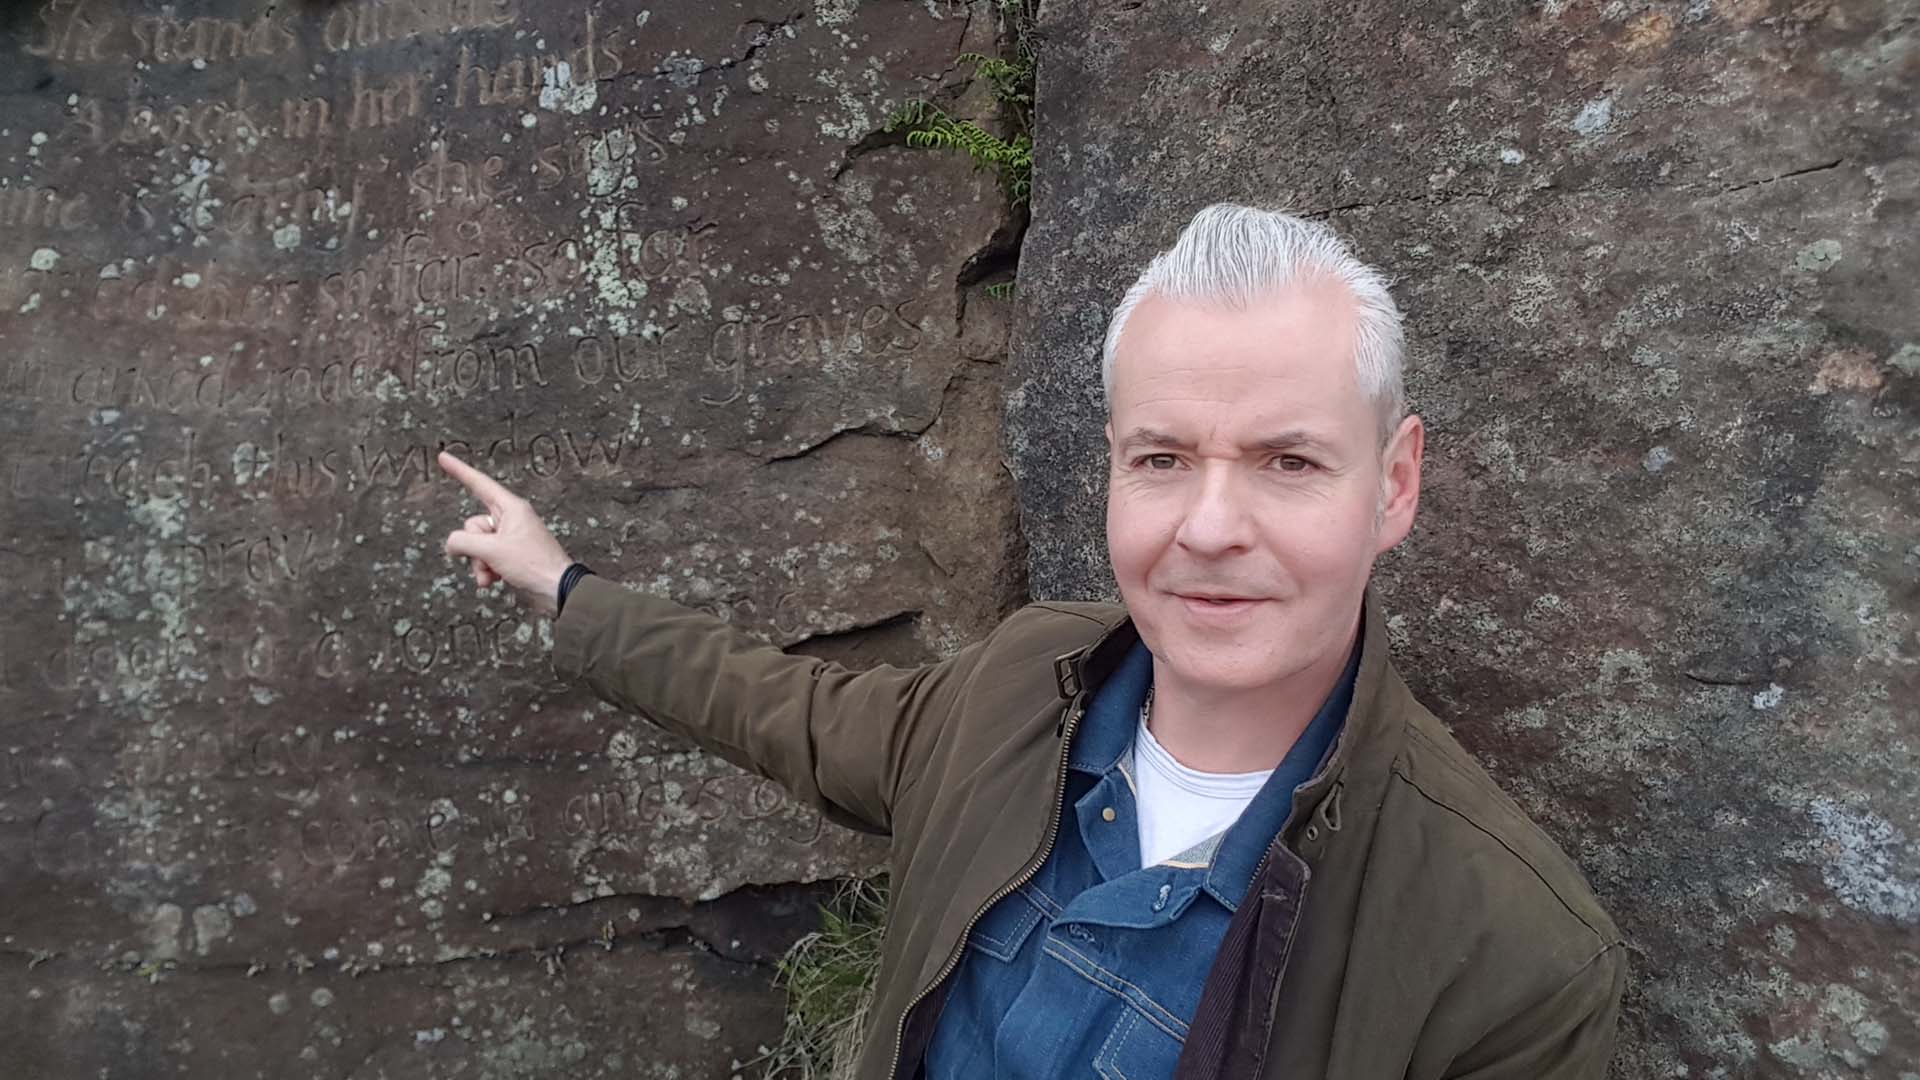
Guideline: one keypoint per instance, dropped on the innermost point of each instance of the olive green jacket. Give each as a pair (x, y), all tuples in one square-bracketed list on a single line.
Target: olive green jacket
[(1411, 921)]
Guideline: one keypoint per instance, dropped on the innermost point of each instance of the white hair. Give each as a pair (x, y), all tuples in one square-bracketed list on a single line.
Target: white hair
[(1239, 255)]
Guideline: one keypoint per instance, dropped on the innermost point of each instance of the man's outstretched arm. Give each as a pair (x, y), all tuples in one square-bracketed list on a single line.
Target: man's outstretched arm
[(842, 741)]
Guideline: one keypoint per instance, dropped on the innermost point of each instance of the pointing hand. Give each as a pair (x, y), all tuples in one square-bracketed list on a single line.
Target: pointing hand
[(507, 543)]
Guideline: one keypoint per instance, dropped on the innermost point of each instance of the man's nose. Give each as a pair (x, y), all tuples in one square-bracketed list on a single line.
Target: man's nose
[(1216, 519)]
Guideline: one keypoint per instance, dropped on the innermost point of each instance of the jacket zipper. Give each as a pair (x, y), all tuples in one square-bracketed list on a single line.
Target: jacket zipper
[(1075, 711)]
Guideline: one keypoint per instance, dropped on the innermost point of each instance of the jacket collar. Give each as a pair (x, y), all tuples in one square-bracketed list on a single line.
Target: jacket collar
[(1086, 667), (1361, 757)]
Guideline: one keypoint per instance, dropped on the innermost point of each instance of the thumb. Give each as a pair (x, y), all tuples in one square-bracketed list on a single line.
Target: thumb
[(462, 544)]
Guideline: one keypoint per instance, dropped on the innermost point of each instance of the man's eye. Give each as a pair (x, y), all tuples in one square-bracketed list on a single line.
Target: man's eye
[(1290, 463), (1160, 462)]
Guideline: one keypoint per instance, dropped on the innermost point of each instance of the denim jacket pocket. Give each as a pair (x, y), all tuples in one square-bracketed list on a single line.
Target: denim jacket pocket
[(1137, 1049), (1005, 927)]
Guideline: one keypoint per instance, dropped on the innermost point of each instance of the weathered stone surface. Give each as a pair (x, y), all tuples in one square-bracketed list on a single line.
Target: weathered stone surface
[(652, 1008), (1657, 259), (658, 269)]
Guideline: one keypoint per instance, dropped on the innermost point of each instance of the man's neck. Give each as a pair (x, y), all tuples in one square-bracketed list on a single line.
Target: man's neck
[(1244, 730)]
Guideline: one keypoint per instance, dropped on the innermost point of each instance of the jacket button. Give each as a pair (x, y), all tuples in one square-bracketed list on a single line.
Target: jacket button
[(1313, 832), (1107, 814)]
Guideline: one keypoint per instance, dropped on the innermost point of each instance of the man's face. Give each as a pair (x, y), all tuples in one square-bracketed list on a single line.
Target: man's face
[(1249, 494)]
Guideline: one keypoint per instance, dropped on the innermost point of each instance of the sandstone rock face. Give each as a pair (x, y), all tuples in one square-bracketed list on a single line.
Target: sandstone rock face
[(280, 795), (1657, 263)]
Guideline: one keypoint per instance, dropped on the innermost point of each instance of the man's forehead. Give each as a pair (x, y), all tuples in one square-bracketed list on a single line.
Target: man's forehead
[(1271, 393)]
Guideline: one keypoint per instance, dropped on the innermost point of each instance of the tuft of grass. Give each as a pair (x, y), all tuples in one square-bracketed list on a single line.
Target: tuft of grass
[(828, 976)]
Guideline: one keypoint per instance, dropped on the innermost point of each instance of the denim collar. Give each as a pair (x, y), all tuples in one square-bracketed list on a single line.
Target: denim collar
[(1105, 736), (1105, 740)]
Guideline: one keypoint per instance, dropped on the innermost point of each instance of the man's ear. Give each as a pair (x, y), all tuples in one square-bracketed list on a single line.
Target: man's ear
[(1400, 482)]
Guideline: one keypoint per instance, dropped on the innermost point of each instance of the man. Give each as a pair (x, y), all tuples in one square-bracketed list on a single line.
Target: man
[(1206, 834)]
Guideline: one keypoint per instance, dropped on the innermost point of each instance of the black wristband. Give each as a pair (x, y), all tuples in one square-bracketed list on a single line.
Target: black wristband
[(568, 579)]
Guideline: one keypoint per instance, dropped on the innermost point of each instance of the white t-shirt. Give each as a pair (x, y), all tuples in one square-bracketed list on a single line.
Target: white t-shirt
[(1180, 807)]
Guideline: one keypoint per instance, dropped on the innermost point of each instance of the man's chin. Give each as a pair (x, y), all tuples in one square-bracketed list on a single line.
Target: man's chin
[(1212, 676), (1225, 646)]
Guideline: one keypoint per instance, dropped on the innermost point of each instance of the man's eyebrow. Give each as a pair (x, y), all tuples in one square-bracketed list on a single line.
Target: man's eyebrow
[(1288, 439), (1142, 436)]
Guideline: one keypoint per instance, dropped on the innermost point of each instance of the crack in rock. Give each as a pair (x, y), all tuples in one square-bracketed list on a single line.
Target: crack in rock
[(1445, 198), (885, 622), (1794, 174), (685, 71), (869, 428)]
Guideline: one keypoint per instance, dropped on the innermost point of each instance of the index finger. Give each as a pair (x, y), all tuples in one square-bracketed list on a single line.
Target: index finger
[(484, 487)]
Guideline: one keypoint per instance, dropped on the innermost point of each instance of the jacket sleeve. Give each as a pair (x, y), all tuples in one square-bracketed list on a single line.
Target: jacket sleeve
[(1566, 1036), (842, 741)]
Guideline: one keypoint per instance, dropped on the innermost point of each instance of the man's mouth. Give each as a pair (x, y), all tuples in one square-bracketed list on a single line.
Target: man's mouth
[(1215, 603)]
